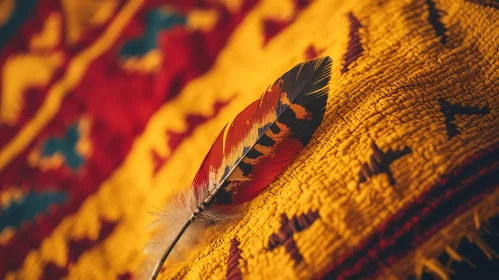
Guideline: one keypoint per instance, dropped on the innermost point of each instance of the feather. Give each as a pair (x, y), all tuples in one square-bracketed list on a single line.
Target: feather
[(247, 155)]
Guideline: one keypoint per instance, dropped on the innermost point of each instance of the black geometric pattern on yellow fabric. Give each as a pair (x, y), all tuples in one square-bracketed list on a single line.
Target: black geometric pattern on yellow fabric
[(379, 163), (487, 3), (435, 20), (354, 48), (233, 271), (284, 237), (451, 110)]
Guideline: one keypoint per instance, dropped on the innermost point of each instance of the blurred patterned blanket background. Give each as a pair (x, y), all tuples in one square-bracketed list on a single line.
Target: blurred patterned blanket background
[(106, 106)]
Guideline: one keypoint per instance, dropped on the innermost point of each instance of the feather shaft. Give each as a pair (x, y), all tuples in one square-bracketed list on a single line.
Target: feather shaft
[(158, 267), (196, 212)]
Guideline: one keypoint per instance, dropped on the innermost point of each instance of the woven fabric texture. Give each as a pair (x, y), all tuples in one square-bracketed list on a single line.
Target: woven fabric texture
[(107, 107)]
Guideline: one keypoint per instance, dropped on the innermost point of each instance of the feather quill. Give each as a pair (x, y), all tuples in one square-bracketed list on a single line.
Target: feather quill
[(248, 155)]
